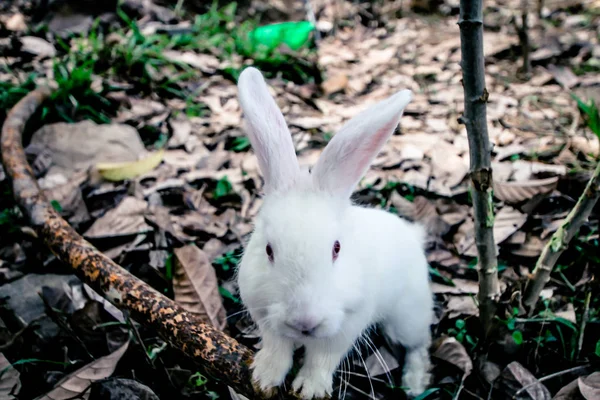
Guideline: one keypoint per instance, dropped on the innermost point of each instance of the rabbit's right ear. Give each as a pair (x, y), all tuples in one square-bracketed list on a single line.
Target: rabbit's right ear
[(268, 133), (348, 155)]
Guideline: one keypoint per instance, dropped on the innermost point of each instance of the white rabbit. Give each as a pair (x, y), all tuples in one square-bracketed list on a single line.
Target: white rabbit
[(318, 270)]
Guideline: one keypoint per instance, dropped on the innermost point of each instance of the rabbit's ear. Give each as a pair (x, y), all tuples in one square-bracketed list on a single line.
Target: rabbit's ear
[(269, 135), (348, 155)]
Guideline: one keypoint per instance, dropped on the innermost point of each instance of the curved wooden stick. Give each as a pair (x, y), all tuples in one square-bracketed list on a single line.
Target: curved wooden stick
[(218, 353)]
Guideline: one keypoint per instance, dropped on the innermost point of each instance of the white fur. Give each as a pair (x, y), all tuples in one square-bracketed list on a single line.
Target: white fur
[(381, 273)]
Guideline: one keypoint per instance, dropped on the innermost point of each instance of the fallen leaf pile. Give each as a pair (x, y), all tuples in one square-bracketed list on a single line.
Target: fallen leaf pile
[(142, 151)]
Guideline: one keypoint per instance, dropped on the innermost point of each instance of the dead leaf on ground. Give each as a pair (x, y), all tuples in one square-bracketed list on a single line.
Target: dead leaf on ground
[(563, 75), (195, 285), (515, 192), (235, 395), (140, 109), (81, 145), (16, 22), (589, 146), (452, 351), (506, 222), (10, 383), (532, 247), (461, 286), (120, 171), (70, 199), (37, 46), (80, 380), (335, 83), (204, 62), (567, 313), (374, 362), (124, 220), (461, 305), (515, 377), (182, 129), (590, 386)]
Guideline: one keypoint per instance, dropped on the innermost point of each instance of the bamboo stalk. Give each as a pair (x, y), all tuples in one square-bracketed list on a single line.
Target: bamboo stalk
[(475, 120), (559, 241)]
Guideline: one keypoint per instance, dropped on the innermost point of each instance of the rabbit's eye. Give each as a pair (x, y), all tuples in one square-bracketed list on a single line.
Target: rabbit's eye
[(336, 249), (269, 250)]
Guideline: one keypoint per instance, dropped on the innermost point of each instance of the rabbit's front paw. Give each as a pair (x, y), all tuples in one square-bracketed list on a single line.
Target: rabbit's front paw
[(269, 370), (313, 383)]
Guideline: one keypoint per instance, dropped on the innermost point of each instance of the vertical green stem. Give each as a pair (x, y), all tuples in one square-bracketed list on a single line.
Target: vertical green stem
[(475, 120)]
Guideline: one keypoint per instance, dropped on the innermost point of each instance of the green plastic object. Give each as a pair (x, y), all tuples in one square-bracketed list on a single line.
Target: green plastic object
[(293, 34)]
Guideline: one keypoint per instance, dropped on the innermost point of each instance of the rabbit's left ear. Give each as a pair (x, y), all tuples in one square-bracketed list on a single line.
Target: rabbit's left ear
[(268, 132), (350, 152)]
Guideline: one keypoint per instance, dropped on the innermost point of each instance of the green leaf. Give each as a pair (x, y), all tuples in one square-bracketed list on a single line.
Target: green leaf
[(517, 337), (510, 324), (426, 393), (32, 361), (227, 294), (169, 267), (241, 144), (223, 188), (198, 380), (460, 323), (598, 348), (591, 112), (56, 205), (154, 350)]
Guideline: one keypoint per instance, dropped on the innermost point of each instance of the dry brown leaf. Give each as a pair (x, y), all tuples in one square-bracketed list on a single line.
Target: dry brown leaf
[(120, 171), (515, 377), (81, 145), (336, 83), (461, 286), (563, 75), (461, 305), (403, 206), (235, 395), (443, 257), (452, 351), (195, 285), (507, 221), (532, 247), (568, 313), (69, 196), (569, 392), (10, 383), (78, 381), (124, 220), (16, 22), (590, 386), (515, 192), (589, 146), (182, 129), (37, 46), (204, 62), (373, 363)]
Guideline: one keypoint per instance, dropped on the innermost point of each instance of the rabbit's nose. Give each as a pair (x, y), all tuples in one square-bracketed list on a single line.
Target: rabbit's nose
[(307, 325)]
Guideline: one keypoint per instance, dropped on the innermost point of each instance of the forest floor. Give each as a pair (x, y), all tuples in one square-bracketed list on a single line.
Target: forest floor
[(153, 85)]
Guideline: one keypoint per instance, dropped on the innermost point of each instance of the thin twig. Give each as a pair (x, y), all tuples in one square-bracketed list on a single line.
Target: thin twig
[(523, 33), (584, 319), (559, 241), (475, 120), (548, 377), (32, 325)]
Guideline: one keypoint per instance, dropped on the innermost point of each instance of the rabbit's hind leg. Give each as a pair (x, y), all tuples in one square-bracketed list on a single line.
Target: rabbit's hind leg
[(416, 340)]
